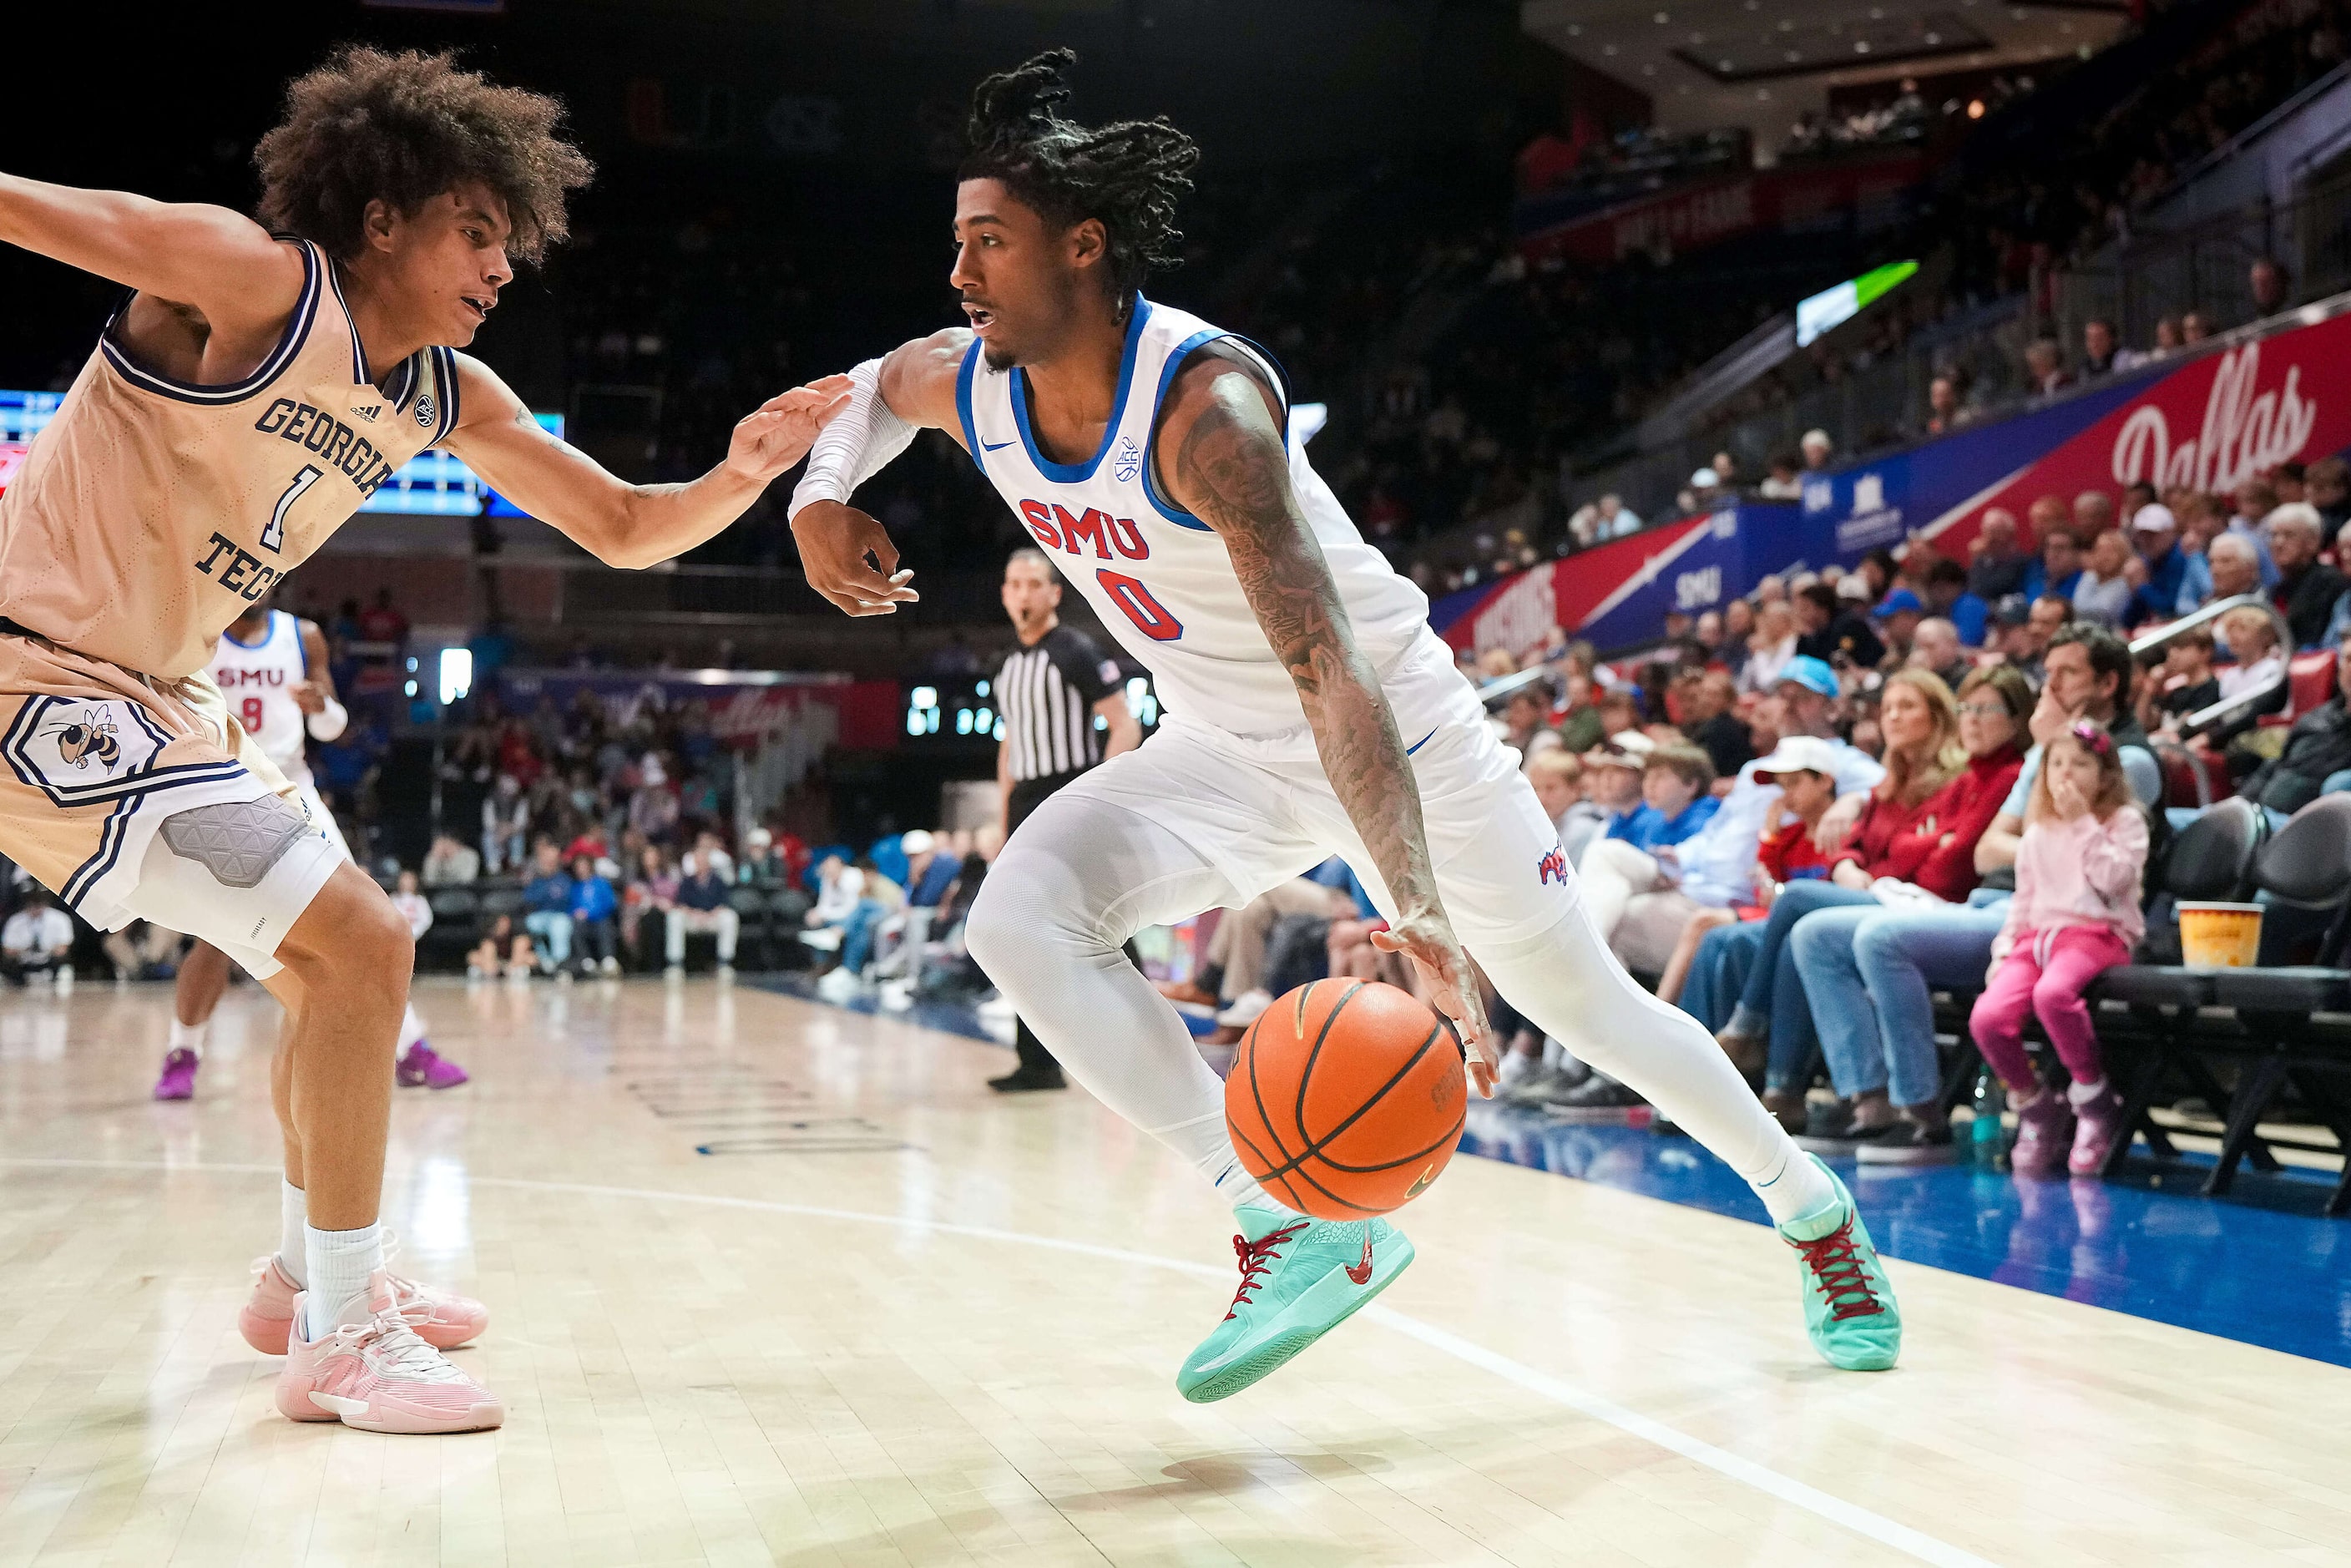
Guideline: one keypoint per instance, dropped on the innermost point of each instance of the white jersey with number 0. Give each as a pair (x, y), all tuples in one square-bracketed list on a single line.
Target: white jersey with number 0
[(1159, 577), (259, 680)]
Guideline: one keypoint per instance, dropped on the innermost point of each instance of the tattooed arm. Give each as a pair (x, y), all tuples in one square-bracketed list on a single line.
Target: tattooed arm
[(1231, 470)]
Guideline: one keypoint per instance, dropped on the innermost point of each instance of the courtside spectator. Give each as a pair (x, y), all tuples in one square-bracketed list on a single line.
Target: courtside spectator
[(2317, 756), (1997, 562), (1769, 647), (2163, 566), (2307, 586), (2182, 685), (1674, 801), (1713, 723), (2053, 572), (1936, 646), (36, 942), (2327, 485), (1834, 633), (1642, 902), (2102, 595), (547, 906), (450, 863), (595, 917), (1948, 596), (1612, 779), (1920, 720), (412, 906), (700, 905), (2075, 915), (1875, 1033)]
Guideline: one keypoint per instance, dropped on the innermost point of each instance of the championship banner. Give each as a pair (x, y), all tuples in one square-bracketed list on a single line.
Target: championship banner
[(746, 708), (2209, 422)]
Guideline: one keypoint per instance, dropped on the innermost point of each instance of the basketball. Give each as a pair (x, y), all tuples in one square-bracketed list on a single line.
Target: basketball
[(1346, 1098)]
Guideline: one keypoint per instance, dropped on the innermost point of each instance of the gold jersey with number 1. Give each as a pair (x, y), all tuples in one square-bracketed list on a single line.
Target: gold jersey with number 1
[(147, 514)]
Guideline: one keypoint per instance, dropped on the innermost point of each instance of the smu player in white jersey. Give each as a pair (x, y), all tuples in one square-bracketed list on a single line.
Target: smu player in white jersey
[(271, 668), (1310, 711)]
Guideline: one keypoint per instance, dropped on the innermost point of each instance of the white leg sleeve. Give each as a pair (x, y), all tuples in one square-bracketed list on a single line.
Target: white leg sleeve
[(1525, 921), (1568, 983), (1081, 876), (859, 443)]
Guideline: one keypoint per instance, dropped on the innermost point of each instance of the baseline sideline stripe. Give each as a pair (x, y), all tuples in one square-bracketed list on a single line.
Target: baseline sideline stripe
[(1862, 1521)]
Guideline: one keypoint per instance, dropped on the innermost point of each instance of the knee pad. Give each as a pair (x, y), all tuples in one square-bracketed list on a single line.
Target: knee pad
[(238, 842)]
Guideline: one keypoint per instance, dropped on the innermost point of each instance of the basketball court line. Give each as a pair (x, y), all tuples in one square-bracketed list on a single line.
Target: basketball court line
[(1902, 1538)]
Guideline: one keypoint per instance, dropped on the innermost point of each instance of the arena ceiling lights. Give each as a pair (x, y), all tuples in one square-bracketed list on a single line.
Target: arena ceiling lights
[(1790, 47), (1762, 63)]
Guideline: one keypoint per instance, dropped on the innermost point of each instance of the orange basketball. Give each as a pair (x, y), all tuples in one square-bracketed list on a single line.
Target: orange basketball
[(1346, 1098)]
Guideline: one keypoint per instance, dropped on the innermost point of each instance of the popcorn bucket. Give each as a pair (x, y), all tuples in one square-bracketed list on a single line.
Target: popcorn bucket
[(2219, 935)]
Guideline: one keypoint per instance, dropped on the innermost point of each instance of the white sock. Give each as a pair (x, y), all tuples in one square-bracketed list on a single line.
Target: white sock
[(411, 1029), (291, 1221), (190, 1035), (1795, 1188), (339, 1264), (2081, 1093)]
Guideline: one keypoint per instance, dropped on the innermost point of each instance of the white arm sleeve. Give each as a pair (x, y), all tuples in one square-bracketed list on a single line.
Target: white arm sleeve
[(328, 722), (859, 443)]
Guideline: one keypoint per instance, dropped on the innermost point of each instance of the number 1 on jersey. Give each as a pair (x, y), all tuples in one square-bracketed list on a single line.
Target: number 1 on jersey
[(273, 537), (1150, 617)]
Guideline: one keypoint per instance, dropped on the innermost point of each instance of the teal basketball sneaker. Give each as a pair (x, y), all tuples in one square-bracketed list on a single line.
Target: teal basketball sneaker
[(1300, 1278), (1849, 1307)]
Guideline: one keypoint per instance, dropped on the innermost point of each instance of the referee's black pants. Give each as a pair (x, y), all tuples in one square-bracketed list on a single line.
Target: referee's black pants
[(1027, 796)]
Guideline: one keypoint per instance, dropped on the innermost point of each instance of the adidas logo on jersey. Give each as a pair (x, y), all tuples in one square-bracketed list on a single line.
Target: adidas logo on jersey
[(367, 412)]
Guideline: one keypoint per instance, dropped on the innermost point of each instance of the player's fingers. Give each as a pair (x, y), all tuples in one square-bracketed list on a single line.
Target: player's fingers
[(1387, 941), (874, 588)]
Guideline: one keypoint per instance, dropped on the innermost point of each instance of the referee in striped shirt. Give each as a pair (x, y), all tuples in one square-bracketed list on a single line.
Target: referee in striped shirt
[(1050, 690)]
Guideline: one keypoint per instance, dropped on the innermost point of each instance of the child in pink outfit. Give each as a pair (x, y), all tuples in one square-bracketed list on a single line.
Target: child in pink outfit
[(2075, 915)]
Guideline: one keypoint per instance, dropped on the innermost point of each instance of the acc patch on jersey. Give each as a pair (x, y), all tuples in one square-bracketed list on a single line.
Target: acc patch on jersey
[(1129, 461), (76, 751)]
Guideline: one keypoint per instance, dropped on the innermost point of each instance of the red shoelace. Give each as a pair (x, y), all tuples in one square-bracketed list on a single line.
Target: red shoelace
[(1256, 1258), (1838, 1271)]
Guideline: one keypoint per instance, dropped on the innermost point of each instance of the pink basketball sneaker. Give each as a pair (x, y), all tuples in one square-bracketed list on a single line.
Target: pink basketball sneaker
[(422, 1067), (179, 1079), (379, 1377), (442, 1319)]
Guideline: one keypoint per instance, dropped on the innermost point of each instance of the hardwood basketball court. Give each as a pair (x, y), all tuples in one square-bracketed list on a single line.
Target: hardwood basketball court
[(775, 1281)]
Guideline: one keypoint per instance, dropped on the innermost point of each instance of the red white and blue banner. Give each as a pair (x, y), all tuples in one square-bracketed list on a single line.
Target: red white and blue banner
[(2209, 422)]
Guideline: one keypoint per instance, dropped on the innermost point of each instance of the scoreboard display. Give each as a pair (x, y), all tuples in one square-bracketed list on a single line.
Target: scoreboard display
[(430, 485)]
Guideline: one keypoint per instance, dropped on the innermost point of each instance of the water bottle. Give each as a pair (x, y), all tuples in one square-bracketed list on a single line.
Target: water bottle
[(1987, 1144)]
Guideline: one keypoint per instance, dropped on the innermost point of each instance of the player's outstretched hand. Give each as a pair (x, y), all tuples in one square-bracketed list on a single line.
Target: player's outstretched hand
[(779, 432), (1434, 950), (308, 695), (850, 560)]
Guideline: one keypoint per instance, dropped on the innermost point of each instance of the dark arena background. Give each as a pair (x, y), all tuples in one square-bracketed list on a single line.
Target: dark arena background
[(1769, 399)]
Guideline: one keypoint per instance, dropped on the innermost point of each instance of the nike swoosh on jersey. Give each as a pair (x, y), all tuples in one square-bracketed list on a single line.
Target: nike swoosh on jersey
[(993, 445)]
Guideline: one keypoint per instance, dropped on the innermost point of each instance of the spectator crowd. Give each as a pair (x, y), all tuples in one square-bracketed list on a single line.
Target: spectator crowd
[(1806, 812)]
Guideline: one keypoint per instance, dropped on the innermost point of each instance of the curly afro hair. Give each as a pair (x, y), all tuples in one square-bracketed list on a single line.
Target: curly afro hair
[(406, 128), (1128, 175)]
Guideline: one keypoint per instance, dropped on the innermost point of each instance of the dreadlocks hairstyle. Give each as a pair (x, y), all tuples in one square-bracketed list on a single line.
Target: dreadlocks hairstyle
[(1127, 174), (406, 128)]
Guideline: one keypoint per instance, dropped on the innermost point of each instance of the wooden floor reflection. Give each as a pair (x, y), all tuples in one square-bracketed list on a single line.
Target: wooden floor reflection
[(774, 1282)]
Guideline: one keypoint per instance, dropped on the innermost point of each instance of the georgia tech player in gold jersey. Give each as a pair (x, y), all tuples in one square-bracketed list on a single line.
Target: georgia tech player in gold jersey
[(255, 387)]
